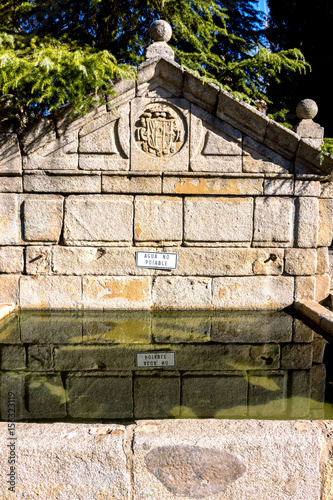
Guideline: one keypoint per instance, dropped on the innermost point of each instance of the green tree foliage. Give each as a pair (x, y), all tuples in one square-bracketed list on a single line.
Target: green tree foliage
[(58, 51), (306, 26)]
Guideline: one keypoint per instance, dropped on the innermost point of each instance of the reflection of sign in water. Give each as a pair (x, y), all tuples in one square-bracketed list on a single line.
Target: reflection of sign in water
[(155, 359), (160, 131), (159, 260)]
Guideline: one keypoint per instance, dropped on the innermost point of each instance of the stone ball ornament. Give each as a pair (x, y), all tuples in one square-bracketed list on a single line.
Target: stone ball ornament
[(160, 31), (306, 109)]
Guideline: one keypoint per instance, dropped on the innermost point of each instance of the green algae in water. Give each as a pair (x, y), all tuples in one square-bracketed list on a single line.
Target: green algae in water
[(82, 366)]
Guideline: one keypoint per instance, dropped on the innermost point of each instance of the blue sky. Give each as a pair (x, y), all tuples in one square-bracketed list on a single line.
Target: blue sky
[(263, 5)]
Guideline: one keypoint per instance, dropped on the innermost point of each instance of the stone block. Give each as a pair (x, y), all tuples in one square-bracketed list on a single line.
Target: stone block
[(300, 261), (251, 327), (305, 288), (12, 357), (187, 293), (267, 394), (300, 382), (307, 222), (203, 94), (58, 153), (326, 190), (14, 382), (38, 135), (10, 330), (325, 223), (11, 259), (187, 327), (9, 289), (254, 292), (116, 327), (218, 219), (10, 232), (111, 292), (43, 218), (149, 148), (281, 139), (323, 286), (215, 396), (50, 292), (156, 396), (307, 188), (158, 218), (11, 184), (318, 348), (40, 358), (278, 187), (260, 158), (44, 183), (101, 218), (273, 220), (296, 356), (45, 396), (302, 333), (242, 116), (130, 184), (212, 186), (100, 396), (38, 260), (318, 385), (46, 327), (11, 161), (77, 358), (322, 260)]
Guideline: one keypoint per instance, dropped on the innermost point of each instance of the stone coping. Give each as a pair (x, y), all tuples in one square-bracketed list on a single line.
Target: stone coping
[(312, 311), (169, 459), (6, 309)]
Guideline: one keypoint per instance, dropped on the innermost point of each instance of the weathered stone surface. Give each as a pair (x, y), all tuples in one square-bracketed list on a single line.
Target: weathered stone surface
[(189, 326), (162, 156), (267, 394), (212, 186), (273, 220), (318, 348), (77, 358), (158, 218), (11, 259), (9, 326), (43, 218), (302, 333), (38, 135), (300, 393), (276, 187), (43, 183), (325, 233), (57, 460), (10, 232), (326, 190), (11, 185), (307, 188), (323, 285), (280, 139), (116, 292), (9, 289), (248, 327), (100, 218), (50, 292), (57, 153), (131, 184), (322, 260), (45, 396), (12, 357), (296, 356), (260, 158), (100, 396), (249, 470), (307, 222), (215, 396), (116, 327), (13, 381), (40, 358), (38, 260), (10, 156), (199, 93), (218, 219), (187, 293), (305, 288), (45, 327), (156, 396), (300, 261), (318, 376), (257, 292)]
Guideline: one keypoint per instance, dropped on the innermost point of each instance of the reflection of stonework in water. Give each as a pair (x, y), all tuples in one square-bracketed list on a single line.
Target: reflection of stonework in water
[(160, 131)]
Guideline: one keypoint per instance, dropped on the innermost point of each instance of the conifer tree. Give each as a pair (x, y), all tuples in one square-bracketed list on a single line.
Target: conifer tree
[(58, 51)]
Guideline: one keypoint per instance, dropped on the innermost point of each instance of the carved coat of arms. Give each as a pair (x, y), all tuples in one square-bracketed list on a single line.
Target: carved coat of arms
[(160, 131)]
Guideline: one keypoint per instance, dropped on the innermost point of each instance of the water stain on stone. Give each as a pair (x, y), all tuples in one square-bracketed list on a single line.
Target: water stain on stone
[(193, 471)]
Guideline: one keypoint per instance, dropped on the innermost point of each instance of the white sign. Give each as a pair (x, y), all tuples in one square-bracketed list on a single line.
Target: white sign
[(156, 260), (155, 359)]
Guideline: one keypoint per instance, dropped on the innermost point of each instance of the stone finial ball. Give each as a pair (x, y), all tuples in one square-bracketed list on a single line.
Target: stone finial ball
[(306, 109), (161, 31)]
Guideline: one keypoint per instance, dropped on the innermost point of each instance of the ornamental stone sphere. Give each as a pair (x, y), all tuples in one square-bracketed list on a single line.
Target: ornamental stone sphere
[(161, 31), (306, 109)]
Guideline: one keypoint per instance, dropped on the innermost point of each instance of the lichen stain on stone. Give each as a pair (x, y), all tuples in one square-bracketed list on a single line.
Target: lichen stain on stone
[(138, 230), (135, 290), (192, 471)]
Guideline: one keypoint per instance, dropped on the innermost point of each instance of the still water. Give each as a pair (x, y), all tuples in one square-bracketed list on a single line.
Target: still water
[(121, 366)]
